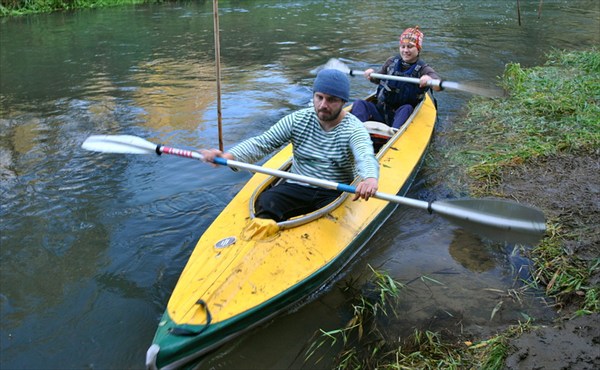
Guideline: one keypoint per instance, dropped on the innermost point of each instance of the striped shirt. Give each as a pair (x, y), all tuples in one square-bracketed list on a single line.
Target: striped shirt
[(339, 155)]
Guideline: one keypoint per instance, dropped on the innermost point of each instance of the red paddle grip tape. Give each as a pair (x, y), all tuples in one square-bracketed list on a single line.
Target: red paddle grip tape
[(178, 152)]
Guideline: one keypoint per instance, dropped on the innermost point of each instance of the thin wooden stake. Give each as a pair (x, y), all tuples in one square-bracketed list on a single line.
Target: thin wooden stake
[(218, 63)]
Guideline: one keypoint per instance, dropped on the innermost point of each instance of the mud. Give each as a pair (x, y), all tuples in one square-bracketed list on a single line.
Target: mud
[(567, 188)]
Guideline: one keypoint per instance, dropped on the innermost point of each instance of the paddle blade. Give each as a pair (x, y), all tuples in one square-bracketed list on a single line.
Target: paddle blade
[(495, 219), (334, 63), (473, 89), (118, 144)]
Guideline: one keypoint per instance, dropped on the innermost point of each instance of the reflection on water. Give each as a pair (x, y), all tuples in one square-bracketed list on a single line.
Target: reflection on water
[(169, 91), (470, 252), (92, 244)]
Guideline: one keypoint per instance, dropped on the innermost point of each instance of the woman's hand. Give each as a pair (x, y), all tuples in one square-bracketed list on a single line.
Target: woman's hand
[(424, 82)]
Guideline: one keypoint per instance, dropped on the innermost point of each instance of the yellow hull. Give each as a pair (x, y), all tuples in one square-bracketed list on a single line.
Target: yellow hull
[(251, 280)]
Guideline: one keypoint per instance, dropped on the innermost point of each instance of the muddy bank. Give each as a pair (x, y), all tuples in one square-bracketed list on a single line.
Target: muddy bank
[(537, 147), (567, 188), (568, 344)]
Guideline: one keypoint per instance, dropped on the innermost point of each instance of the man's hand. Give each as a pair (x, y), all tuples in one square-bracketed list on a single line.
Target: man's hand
[(209, 155), (366, 189)]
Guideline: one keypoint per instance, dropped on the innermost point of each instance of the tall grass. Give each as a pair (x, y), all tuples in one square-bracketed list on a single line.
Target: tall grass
[(361, 341), (550, 109)]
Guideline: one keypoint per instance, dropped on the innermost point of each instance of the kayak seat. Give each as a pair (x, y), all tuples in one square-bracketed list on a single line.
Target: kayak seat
[(380, 133), (298, 220)]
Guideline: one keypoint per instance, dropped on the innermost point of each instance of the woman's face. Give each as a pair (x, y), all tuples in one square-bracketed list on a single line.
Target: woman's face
[(409, 52)]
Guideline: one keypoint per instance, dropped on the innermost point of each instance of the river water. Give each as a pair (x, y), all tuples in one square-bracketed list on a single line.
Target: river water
[(93, 244)]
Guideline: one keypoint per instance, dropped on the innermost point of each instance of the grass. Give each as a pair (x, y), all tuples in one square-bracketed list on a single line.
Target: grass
[(362, 339), (563, 276), (363, 343), (555, 108), (490, 354), (550, 109)]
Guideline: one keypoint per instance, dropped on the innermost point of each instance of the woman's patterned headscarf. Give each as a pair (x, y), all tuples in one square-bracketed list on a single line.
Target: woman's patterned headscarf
[(412, 35)]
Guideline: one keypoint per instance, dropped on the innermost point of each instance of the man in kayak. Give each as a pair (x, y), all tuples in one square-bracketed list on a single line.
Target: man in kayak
[(396, 100), (328, 143)]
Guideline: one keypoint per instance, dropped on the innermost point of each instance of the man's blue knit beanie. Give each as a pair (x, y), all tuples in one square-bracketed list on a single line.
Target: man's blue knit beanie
[(332, 82)]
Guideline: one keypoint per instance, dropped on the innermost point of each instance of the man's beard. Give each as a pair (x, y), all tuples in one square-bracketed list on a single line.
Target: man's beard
[(328, 117)]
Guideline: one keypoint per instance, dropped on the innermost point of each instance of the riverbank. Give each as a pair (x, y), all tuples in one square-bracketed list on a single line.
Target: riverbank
[(542, 147)]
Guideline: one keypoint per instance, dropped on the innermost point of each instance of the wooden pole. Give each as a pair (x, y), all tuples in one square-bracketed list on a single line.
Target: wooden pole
[(218, 63)]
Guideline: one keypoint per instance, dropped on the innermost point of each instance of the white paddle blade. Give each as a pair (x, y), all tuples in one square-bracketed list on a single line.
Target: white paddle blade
[(473, 89), (334, 63), (118, 144), (495, 219)]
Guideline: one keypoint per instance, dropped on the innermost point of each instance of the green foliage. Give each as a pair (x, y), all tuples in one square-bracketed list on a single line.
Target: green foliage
[(564, 276), (427, 350), (592, 295), (550, 109), (363, 344), (22, 7)]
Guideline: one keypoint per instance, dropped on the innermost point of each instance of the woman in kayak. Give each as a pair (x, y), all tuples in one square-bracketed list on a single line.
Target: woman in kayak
[(396, 99)]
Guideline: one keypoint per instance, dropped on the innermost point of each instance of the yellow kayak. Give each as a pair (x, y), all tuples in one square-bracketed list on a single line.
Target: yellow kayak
[(240, 274)]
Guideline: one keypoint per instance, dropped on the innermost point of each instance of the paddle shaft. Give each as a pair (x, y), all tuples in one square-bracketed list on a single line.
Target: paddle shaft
[(495, 219), (442, 84), (413, 80), (442, 208)]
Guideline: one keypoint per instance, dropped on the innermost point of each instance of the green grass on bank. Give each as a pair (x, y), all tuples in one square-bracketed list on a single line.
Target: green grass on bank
[(550, 109), (24, 7)]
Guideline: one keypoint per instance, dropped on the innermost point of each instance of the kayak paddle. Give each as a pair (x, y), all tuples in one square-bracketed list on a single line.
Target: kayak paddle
[(477, 90), (495, 219)]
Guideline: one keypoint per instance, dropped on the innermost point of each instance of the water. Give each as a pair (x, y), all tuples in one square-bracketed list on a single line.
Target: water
[(93, 244)]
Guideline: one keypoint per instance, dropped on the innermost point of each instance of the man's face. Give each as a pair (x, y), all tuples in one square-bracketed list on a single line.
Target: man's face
[(327, 107)]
